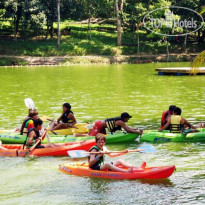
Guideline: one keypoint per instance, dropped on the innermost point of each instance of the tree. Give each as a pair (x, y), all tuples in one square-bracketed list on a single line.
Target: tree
[(14, 9), (119, 10)]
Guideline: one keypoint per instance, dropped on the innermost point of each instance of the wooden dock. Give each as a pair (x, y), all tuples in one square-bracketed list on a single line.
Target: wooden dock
[(179, 71)]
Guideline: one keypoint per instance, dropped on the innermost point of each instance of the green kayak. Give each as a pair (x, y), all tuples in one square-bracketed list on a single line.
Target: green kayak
[(119, 137), (166, 136)]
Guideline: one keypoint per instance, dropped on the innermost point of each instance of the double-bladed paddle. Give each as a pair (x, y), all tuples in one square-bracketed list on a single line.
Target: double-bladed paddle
[(83, 153)]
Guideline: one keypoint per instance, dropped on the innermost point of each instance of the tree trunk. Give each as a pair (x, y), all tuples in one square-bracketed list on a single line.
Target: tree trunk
[(167, 50), (15, 29), (89, 24), (51, 29), (138, 42), (47, 29), (185, 43), (119, 23), (89, 17), (58, 6)]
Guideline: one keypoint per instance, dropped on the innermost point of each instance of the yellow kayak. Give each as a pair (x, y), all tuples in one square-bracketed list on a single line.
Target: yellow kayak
[(81, 128)]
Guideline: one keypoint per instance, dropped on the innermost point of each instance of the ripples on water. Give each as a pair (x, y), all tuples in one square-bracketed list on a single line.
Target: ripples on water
[(98, 92)]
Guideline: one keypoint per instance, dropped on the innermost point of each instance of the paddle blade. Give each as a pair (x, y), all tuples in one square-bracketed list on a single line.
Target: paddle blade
[(78, 153), (147, 149), (29, 103)]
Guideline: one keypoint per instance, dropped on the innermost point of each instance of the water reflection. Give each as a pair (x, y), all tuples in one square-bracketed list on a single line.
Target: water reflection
[(98, 92)]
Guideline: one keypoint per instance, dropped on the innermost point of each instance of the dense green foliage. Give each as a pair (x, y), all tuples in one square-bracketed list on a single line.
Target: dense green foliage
[(33, 23)]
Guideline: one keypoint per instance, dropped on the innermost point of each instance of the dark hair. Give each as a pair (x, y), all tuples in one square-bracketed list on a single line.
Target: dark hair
[(67, 105), (177, 110), (37, 122), (100, 136), (171, 107), (125, 115), (32, 113)]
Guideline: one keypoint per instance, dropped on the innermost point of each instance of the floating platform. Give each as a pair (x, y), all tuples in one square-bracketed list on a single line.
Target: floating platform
[(180, 71)]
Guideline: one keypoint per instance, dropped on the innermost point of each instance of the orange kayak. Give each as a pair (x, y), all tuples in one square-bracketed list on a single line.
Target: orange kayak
[(18, 151), (145, 173)]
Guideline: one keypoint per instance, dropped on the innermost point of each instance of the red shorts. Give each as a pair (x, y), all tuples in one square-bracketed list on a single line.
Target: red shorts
[(97, 128)]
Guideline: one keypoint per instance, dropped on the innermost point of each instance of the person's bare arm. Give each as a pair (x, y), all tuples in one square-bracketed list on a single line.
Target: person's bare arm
[(166, 125), (185, 122), (59, 119), (30, 138), (72, 117), (126, 128), (117, 154), (94, 158)]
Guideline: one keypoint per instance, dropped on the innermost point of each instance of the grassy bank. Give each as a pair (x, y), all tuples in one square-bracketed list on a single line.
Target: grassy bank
[(103, 42), (72, 60)]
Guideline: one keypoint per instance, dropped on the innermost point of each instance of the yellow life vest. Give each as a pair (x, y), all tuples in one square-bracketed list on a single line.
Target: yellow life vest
[(175, 125), (176, 119)]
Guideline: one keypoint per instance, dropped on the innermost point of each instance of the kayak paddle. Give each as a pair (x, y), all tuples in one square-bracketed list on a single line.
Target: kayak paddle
[(29, 103), (34, 146), (83, 153)]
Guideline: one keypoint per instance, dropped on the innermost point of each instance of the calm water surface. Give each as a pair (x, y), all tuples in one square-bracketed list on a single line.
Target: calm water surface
[(98, 92)]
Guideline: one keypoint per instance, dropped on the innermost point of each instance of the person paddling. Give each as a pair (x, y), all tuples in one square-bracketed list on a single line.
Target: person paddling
[(28, 122), (33, 136), (96, 161), (114, 124), (178, 124), (66, 120)]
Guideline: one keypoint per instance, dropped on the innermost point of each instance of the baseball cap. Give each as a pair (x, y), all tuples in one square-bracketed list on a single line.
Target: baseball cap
[(125, 115)]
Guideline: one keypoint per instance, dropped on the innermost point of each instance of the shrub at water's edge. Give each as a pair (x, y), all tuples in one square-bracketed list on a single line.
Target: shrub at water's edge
[(11, 61)]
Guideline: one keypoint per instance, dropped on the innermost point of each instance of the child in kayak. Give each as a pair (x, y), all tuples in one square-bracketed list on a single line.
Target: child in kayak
[(28, 122), (112, 124), (96, 161), (33, 136), (178, 124), (66, 120)]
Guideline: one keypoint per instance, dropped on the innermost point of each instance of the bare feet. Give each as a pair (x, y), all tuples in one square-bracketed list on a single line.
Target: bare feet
[(16, 129), (140, 132), (75, 134), (143, 165), (201, 125), (130, 170)]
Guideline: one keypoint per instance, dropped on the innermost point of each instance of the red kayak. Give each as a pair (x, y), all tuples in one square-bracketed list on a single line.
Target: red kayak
[(145, 173), (18, 151)]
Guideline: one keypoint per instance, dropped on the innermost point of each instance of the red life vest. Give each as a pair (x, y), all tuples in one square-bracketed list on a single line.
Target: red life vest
[(164, 116)]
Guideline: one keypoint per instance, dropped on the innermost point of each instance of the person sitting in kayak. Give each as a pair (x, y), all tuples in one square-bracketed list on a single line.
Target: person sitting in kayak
[(178, 124), (166, 115), (96, 161), (28, 122), (66, 120), (113, 124), (33, 136)]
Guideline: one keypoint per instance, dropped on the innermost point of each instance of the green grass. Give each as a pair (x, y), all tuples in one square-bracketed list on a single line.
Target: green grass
[(103, 42)]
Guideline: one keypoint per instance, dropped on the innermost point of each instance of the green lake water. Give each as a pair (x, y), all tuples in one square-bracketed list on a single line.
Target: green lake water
[(97, 92)]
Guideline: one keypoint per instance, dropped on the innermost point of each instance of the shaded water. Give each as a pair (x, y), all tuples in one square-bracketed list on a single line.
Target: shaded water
[(98, 92)]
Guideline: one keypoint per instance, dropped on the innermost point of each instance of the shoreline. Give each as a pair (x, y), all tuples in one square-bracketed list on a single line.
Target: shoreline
[(98, 59)]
